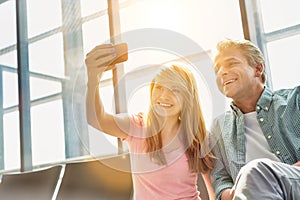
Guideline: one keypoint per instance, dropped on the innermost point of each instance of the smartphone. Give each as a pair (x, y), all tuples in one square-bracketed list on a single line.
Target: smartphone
[(121, 51)]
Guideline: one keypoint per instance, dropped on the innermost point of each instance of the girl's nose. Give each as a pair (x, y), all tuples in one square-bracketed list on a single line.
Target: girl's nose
[(165, 93)]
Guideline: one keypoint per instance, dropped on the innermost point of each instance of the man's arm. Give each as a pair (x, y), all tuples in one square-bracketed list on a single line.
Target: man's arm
[(220, 177), (297, 164), (227, 194)]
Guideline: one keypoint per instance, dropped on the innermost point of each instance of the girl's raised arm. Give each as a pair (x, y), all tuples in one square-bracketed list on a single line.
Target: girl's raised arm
[(96, 62)]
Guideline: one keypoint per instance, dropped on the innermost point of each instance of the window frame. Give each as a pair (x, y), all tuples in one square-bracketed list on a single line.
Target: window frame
[(252, 20)]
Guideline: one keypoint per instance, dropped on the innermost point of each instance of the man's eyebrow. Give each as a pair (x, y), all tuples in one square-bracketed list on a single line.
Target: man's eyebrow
[(218, 64), (230, 60), (226, 61)]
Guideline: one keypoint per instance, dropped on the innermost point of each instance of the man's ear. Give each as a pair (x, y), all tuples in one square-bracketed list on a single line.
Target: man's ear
[(259, 70)]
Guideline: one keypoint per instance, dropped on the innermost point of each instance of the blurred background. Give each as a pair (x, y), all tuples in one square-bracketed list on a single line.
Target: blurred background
[(42, 74)]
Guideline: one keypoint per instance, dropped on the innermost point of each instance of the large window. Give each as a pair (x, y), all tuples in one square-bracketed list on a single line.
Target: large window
[(275, 27), (9, 135), (57, 35)]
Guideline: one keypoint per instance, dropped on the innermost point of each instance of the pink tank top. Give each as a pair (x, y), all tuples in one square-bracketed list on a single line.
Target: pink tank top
[(162, 182)]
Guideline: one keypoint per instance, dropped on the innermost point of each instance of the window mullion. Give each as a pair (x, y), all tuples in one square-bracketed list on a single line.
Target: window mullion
[(118, 72), (75, 125), (1, 122), (254, 21), (23, 86)]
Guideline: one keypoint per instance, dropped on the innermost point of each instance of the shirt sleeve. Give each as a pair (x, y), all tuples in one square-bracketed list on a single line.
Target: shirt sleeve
[(221, 179), (136, 129)]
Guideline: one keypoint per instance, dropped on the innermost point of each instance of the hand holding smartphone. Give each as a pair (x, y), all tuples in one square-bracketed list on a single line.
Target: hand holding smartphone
[(121, 55)]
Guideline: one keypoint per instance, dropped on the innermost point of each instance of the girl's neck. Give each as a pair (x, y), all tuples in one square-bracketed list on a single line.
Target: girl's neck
[(169, 131)]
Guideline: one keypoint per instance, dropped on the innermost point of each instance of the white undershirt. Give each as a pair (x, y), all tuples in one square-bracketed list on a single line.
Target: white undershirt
[(256, 143)]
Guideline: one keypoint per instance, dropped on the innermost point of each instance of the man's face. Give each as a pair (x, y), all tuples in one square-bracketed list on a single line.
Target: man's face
[(234, 76)]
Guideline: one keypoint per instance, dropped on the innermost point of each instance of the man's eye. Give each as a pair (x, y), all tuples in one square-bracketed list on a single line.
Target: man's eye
[(233, 63), (217, 69), (175, 90)]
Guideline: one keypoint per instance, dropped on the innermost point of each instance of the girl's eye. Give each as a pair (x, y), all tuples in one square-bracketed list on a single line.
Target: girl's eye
[(158, 87)]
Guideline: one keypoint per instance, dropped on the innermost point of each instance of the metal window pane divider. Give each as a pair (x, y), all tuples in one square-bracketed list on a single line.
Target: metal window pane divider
[(119, 85), (75, 125), (254, 30), (23, 86)]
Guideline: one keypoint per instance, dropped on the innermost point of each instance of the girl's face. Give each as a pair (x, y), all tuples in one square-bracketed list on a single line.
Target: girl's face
[(166, 101)]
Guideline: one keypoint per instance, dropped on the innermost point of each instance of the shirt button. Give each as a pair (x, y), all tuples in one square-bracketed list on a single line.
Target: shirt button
[(277, 152), (261, 119), (266, 108), (269, 136)]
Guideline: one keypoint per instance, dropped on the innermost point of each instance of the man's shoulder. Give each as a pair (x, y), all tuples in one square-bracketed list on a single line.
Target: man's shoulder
[(219, 122), (221, 117), (287, 91)]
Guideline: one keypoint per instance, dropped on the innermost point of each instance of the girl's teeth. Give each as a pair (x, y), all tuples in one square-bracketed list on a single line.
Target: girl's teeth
[(165, 104)]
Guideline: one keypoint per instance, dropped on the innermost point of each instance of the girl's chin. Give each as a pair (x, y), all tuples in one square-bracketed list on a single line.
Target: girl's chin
[(160, 111)]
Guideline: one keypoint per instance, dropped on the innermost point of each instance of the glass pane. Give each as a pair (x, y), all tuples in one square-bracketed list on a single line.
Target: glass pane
[(9, 59), (47, 56), (147, 57), (89, 7), (40, 88), (47, 128), (280, 14), (11, 141), (139, 99), (107, 94), (43, 16), (101, 143), (205, 22), (95, 32), (284, 62), (8, 24), (10, 89)]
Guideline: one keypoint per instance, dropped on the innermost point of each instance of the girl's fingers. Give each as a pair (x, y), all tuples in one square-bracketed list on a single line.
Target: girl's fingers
[(102, 50), (105, 61), (100, 61), (100, 56)]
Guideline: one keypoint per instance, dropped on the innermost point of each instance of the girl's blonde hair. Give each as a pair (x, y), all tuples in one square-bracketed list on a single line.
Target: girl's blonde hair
[(191, 119)]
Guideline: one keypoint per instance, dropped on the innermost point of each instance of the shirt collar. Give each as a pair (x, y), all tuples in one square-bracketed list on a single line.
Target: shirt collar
[(265, 100), (235, 109)]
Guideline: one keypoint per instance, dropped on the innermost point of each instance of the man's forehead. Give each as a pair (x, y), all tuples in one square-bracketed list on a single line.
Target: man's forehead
[(229, 55)]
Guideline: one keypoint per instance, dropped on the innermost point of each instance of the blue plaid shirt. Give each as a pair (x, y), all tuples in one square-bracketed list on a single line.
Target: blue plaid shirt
[(278, 114)]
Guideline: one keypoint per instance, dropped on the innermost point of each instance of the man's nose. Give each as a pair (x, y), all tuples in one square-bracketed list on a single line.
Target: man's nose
[(223, 71)]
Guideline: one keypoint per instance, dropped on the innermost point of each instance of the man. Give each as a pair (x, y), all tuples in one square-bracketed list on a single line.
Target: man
[(257, 142)]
